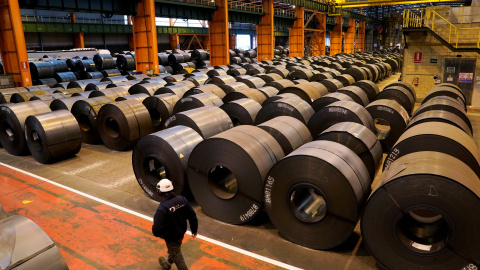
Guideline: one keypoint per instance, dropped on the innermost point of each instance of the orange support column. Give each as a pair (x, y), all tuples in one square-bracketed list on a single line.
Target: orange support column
[(218, 32), (174, 41), (265, 39), (232, 42), (318, 43), (145, 37), (350, 36), (336, 37), (131, 41), (78, 38), (12, 43), (361, 36), (297, 34), (206, 42)]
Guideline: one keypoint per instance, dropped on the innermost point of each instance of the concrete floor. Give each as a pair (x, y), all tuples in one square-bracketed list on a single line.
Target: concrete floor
[(108, 175)]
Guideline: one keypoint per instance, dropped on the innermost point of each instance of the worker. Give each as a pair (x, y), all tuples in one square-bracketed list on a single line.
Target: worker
[(170, 223)]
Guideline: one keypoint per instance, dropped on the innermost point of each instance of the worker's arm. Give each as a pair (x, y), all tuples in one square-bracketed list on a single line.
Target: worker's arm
[(158, 222), (192, 219)]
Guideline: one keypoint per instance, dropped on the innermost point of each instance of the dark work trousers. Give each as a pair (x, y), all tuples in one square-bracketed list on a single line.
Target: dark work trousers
[(175, 254)]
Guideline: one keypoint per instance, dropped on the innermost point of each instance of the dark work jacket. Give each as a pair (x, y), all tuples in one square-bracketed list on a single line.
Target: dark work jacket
[(170, 220)]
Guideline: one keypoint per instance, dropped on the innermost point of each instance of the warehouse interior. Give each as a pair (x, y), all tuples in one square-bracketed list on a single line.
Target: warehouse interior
[(329, 134)]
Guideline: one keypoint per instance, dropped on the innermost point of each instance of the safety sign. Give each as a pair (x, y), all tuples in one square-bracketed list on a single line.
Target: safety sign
[(464, 77)]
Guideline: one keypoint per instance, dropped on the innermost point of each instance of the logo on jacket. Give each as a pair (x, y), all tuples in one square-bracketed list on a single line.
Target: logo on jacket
[(176, 207)]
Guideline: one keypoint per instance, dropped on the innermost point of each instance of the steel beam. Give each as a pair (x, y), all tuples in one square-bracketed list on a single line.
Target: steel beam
[(265, 33), (336, 37), (350, 36), (232, 41), (218, 30), (361, 37), (145, 37), (78, 38), (206, 42), (297, 34), (12, 43), (318, 43), (371, 3), (174, 41)]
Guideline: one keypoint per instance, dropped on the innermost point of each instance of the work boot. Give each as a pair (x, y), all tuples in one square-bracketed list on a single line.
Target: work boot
[(164, 264)]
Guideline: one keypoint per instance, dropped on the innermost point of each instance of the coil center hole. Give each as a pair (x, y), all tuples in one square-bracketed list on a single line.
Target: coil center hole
[(423, 230), (84, 122), (222, 182), (36, 140), (235, 121), (111, 127), (155, 168), (9, 131), (382, 128), (307, 203), (155, 116)]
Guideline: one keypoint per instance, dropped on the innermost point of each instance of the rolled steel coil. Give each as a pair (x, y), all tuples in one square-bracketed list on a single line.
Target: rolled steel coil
[(268, 91), (174, 78), (300, 74), (179, 90), (164, 154), (92, 75), (236, 60), (45, 81), (337, 112), (82, 83), (111, 72), (71, 64), (271, 77), (199, 55), (86, 111), (41, 69), (328, 99), (446, 91), (440, 116), (138, 97), (149, 88), (48, 98), (283, 72), (112, 93), (65, 103), (12, 124), (6, 94), (216, 72), (114, 79), (228, 171), (357, 73), (359, 139), (332, 85), (321, 76), (52, 136), (207, 121), (289, 132), (281, 84), (197, 101), (222, 79), (224, 67), (98, 86), (65, 76), (26, 96), (299, 199), (445, 104), (126, 84), (38, 87), (374, 70), (160, 107), (198, 80), (436, 137), (232, 87), (175, 58), (206, 88), (85, 66), (286, 106), (399, 94), (345, 79), (356, 93), (407, 86), (370, 88), (390, 120), (255, 71), (253, 82), (83, 94), (448, 85), (163, 59), (305, 91), (122, 124), (242, 111), (251, 93), (125, 62), (424, 221), (61, 85), (104, 61)]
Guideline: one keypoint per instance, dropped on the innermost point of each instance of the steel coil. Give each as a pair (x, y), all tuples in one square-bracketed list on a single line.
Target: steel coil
[(26, 96), (445, 104), (149, 88), (305, 91), (6, 94), (321, 76), (179, 90), (440, 116), (65, 103), (198, 80), (422, 201), (436, 137), (328, 99), (283, 72), (45, 81), (286, 106), (253, 82), (332, 85), (111, 72), (175, 58), (356, 93), (112, 93), (65, 76), (345, 79), (122, 124), (356, 73), (271, 77), (289, 132), (359, 139), (12, 124), (40, 70), (104, 61), (86, 111), (222, 79), (370, 88), (125, 62), (226, 172), (160, 107), (53, 136), (217, 72), (446, 91), (207, 121), (85, 66), (324, 207), (231, 87), (138, 97), (251, 93), (48, 98), (268, 91), (137, 77), (399, 94), (407, 86), (114, 79), (174, 78), (337, 112), (197, 101), (206, 88), (61, 85), (82, 83), (163, 59), (280, 84), (242, 111), (199, 55), (164, 154), (96, 86)]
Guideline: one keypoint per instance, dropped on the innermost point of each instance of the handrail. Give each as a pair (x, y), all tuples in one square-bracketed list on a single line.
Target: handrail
[(239, 5), (430, 18), (68, 19)]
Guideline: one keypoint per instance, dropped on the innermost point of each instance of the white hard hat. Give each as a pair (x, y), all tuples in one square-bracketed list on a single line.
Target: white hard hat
[(165, 185)]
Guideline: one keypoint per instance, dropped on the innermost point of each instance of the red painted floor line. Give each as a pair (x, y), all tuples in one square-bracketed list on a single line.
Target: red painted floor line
[(92, 235)]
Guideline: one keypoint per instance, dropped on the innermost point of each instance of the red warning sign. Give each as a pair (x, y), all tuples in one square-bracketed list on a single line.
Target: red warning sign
[(24, 66), (417, 57)]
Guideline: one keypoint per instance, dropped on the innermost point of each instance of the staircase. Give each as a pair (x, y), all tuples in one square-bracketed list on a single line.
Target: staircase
[(456, 37)]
